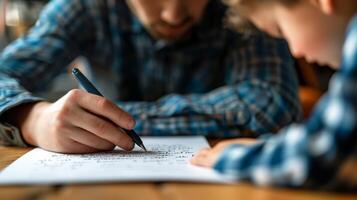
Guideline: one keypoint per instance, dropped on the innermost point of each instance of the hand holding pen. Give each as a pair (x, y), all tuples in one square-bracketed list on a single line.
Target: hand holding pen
[(89, 87), (78, 122)]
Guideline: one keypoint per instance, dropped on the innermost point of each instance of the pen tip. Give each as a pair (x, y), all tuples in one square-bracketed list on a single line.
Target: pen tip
[(143, 147)]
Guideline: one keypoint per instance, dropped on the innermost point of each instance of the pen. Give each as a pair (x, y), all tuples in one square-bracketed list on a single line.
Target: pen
[(84, 82)]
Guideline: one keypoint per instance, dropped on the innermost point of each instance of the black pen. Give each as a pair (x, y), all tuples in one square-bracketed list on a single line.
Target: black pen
[(84, 82)]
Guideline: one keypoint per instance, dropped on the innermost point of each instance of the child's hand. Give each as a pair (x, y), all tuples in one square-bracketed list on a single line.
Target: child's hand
[(207, 157), (79, 122)]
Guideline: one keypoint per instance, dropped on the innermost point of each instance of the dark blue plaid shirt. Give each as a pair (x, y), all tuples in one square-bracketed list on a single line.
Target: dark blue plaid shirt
[(214, 82), (320, 153)]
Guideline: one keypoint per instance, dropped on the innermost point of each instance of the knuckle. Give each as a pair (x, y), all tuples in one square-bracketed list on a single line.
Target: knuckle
[(108, 147), (101, 126), (103, 103), (120, 143), (124, 117), (74, 94), (121, 115), (63, 113), (58, 120), (58, 127)]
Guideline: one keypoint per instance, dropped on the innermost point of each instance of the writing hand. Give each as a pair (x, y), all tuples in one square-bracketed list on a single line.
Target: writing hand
[(79, 122)]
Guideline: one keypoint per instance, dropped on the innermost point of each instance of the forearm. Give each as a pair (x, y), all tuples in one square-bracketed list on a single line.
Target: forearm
[(226, 112), (268, 162), (260, 95), (309, 155)]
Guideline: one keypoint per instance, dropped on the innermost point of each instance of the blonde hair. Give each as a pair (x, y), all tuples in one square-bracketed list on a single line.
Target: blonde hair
[(238, 9)]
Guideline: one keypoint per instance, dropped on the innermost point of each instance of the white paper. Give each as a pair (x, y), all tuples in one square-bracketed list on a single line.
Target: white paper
[(167, 159)]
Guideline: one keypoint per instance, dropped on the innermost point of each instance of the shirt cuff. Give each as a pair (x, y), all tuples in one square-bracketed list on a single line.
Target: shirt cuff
[(11, 136), (232, 162)]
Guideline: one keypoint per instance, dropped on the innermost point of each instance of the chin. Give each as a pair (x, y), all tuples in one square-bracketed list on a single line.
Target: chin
[(173, 38), (170, 38), (331, 63), (334, 64)]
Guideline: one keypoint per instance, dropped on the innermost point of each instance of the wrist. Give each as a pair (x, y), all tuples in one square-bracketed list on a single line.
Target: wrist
[(25, 117)]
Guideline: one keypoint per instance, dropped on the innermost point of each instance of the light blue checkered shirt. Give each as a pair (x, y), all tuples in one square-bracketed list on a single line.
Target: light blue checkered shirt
[(215, 82), (313, 154)]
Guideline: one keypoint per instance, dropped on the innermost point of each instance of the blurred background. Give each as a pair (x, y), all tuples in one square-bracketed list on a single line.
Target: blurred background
[(16, 18)]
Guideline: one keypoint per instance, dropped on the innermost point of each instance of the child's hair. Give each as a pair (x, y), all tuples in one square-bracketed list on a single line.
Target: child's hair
[(239, 8)]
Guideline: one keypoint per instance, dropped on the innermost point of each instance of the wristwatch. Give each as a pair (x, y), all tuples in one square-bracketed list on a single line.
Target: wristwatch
[(11, 136)]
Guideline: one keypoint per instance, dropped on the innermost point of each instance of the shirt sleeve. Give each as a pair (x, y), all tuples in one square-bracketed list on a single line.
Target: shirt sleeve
[(263, 98), (310, 154), (28, 65)]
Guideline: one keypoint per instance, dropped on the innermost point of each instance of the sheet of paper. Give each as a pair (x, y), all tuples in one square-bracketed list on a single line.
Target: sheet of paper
[(167, 159)]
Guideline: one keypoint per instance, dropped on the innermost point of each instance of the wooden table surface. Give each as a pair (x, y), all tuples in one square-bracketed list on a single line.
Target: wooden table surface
[(152, 190)]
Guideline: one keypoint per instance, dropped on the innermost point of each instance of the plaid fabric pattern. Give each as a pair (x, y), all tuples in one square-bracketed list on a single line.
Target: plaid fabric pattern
[(213, 82), (312, 154)]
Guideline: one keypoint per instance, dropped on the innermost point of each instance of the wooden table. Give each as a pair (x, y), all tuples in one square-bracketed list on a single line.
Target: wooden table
[(151, 190)]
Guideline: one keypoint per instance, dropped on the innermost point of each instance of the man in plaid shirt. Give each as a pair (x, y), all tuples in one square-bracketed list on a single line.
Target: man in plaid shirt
[(174, 67)]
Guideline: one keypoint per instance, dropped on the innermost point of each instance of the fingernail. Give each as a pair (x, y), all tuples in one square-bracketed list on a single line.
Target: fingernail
[(131, 124), (130, 146)]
